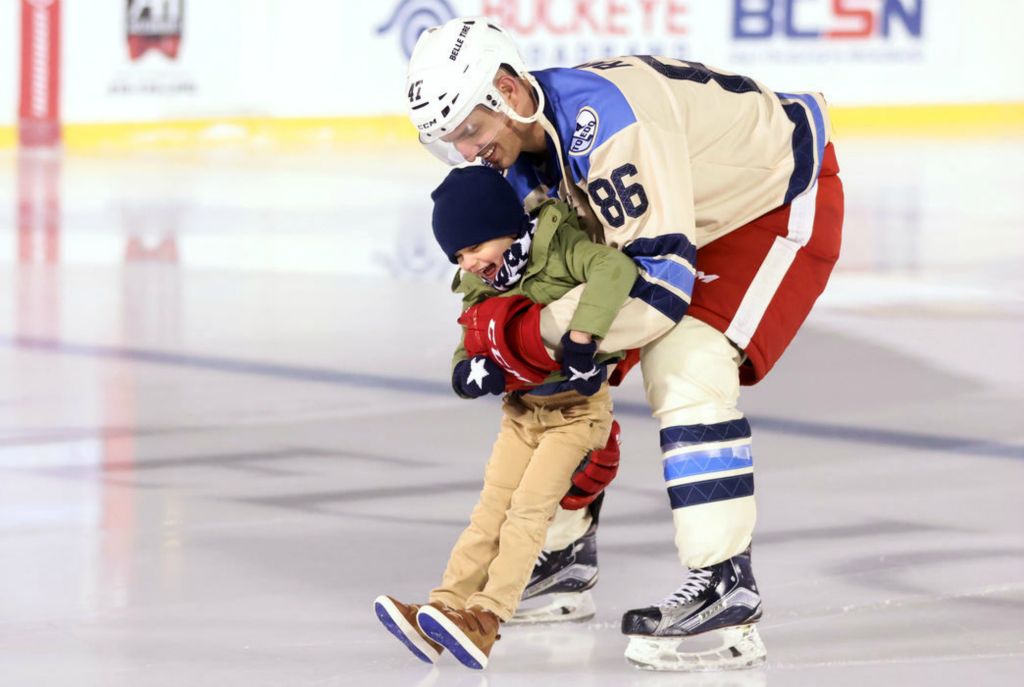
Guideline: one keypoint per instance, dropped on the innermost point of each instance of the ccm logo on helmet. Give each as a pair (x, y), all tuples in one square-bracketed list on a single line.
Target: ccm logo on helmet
[(459, 41)]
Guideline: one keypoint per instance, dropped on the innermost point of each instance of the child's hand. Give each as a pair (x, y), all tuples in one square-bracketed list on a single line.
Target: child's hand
[(477, 376), (578, 365)]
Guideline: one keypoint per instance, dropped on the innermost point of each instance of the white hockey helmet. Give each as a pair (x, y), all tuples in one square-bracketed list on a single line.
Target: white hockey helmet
[(452, 71)]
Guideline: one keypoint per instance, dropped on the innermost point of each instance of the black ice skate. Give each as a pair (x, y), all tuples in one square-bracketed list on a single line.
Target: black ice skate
[(706, 624), (559, 587)]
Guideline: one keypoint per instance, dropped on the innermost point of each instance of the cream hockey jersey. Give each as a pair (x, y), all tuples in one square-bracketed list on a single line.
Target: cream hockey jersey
[(662, 156)]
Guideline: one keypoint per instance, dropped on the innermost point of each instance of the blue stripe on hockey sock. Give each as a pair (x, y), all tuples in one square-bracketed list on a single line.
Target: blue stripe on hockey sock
[(691, 435), (708, 491), (707, 461)]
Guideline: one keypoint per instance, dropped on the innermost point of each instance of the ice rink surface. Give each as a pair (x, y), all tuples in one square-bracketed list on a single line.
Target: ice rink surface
[(226, 426)]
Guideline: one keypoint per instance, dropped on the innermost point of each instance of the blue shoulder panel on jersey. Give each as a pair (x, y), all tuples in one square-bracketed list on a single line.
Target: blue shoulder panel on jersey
[(586, 109), (523, 177)]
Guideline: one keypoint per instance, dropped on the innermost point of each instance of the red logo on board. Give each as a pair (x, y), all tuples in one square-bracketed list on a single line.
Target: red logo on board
[(155, 25)]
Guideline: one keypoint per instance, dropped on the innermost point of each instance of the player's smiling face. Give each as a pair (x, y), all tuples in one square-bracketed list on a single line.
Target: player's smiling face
[(488, 136), (485, 259), (504, 149), (478, 135)]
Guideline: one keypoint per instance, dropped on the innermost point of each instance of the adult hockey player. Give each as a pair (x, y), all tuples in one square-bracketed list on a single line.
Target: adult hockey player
[(682, 167)]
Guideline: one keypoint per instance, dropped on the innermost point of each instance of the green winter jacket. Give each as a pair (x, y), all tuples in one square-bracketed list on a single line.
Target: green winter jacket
[(561, 258)]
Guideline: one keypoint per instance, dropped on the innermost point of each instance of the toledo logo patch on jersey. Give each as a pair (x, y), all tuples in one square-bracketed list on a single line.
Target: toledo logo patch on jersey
[(585, 133)]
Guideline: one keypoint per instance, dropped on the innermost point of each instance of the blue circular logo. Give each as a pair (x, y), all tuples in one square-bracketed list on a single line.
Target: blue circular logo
[(413, 17)]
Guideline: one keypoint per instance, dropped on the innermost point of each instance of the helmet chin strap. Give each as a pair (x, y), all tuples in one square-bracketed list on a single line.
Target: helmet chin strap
[(538, 113)]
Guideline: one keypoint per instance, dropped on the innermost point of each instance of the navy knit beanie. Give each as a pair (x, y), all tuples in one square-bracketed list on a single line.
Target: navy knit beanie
[(473, 205)]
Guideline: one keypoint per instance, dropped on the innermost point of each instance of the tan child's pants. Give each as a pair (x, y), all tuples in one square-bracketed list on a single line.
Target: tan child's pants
[(541, 441)]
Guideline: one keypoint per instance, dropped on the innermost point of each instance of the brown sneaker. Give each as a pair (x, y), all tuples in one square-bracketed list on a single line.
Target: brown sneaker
[(469, 634), (400, 620)]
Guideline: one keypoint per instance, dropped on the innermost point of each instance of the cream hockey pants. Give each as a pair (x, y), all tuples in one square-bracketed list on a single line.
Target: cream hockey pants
[(691, 378)]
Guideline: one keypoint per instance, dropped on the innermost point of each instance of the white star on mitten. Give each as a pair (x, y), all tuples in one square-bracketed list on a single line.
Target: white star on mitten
[(576, 374), (477, 372)]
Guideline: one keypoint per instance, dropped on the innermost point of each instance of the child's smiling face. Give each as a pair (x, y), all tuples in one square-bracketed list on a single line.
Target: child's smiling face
[(485, 259)]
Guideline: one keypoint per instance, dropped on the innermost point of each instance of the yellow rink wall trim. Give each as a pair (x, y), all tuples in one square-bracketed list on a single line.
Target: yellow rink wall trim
[(251, 132), (930, 120), (913, 120)]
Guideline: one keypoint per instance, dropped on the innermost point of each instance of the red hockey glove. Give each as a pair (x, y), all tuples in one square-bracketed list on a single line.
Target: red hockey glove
[(595, 472), (506, 329)]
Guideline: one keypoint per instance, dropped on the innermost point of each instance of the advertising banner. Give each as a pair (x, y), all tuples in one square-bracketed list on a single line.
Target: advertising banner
[(159, 60), (860, 52), (151, 60), (152, 26)]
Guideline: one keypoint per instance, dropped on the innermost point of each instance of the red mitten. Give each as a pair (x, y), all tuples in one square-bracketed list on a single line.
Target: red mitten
[(506, 329), (595, 472)]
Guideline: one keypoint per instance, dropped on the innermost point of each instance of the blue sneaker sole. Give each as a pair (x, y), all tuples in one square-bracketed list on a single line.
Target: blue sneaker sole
[(391, 626), (440, 634)]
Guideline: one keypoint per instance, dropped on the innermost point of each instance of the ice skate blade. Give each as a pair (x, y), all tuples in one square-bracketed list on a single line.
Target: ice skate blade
[(556, 608), (738, 648)]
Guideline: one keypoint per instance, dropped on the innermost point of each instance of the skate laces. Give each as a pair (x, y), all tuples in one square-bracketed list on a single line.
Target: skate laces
[(696, 581)]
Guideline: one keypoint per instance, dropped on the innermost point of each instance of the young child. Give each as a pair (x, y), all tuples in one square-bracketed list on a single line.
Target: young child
[(549, 422)]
